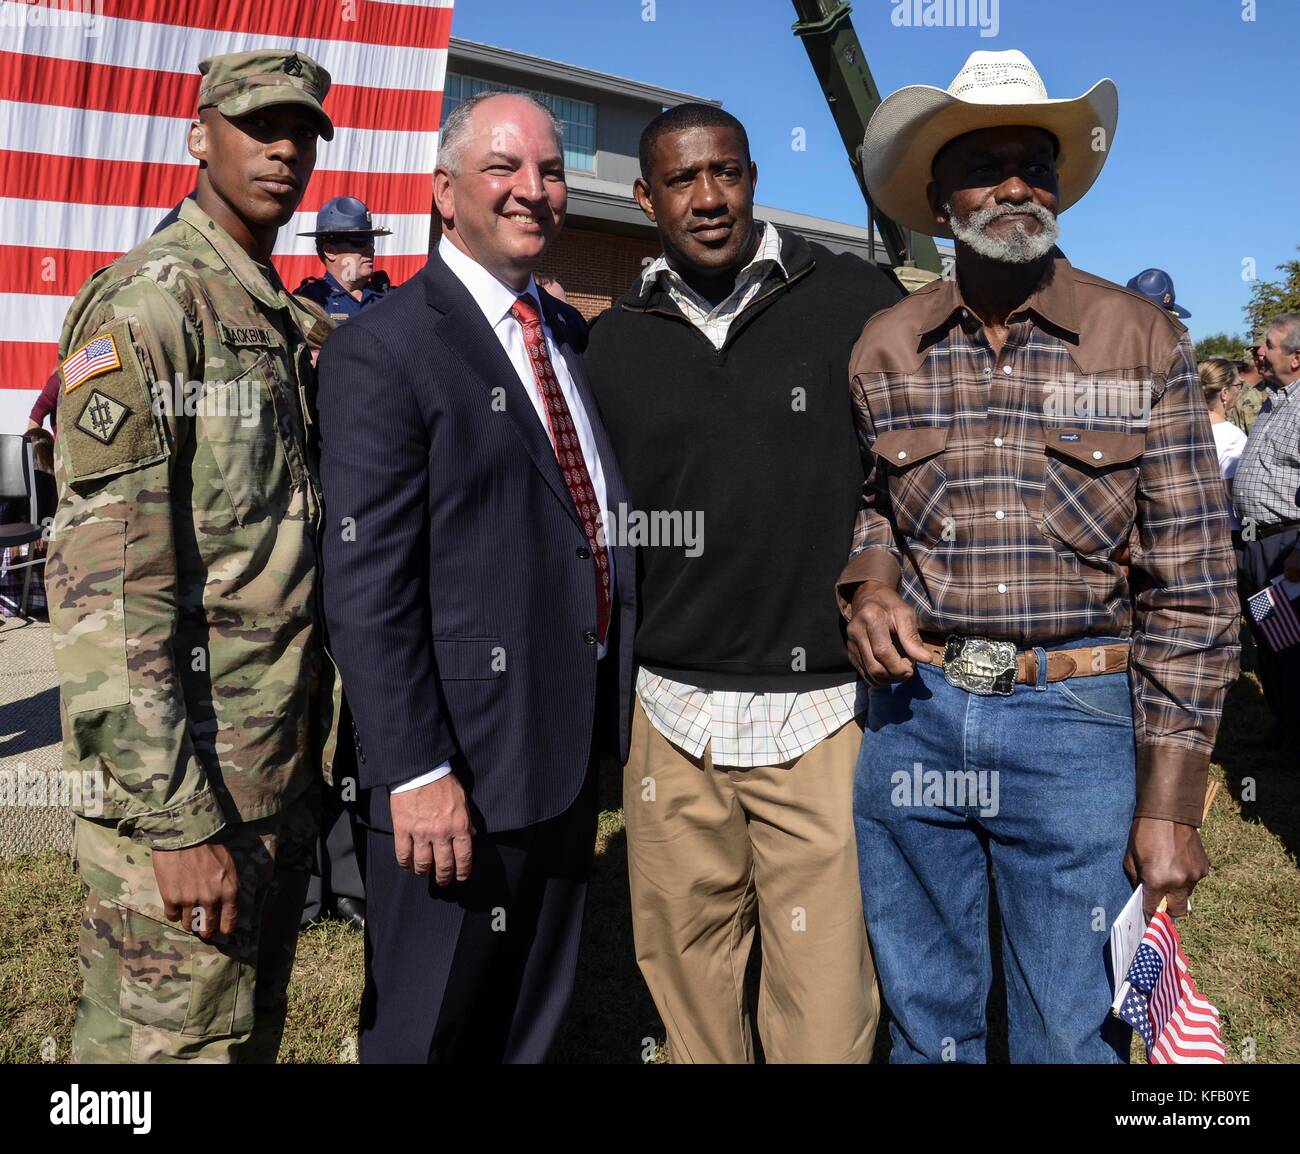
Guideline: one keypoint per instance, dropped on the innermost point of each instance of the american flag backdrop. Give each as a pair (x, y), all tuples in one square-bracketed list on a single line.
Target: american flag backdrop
[(95, 99), (1163, 1005)]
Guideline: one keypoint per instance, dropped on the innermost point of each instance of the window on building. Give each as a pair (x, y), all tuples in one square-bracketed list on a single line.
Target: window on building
[(577, 117)]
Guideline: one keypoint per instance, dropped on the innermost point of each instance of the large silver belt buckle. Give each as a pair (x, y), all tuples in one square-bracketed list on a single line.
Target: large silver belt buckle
[(980, 666)]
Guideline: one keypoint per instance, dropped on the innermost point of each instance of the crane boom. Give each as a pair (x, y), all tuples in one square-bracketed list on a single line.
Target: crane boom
[(837, 58)]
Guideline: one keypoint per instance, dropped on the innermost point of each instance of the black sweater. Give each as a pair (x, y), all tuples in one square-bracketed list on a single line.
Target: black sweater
[(758, 440)]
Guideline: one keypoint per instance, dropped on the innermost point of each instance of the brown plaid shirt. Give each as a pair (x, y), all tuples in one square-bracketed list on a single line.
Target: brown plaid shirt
[(1006, 490)]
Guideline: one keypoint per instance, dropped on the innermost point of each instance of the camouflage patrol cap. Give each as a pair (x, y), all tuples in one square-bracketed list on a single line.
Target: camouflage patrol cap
[(240, 82)]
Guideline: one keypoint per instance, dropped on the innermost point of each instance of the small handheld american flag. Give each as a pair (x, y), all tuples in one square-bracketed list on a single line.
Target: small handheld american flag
[(1275, 617), (1160, 1001)]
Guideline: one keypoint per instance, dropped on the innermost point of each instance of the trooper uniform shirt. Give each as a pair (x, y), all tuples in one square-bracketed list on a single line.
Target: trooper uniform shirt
[(336, 300), (183, 572)]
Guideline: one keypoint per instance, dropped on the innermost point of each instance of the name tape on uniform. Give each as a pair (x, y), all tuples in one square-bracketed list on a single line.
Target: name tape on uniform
[(242, 336)]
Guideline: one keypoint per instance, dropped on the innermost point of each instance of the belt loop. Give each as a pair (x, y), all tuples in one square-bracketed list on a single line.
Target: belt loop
[(1041, 656)]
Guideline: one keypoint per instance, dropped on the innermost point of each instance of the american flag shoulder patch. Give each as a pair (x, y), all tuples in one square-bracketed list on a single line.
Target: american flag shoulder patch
[(112, 425), (93, 359)]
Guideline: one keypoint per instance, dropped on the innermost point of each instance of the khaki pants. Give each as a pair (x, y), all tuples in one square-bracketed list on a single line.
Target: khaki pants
[(714, 851), (152, 992)]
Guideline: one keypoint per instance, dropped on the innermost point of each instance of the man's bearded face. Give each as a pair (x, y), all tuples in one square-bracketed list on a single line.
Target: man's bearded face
[(1010, 242)]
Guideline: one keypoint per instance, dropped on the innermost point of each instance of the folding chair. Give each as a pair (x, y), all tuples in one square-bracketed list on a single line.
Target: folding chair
[(22, 485)]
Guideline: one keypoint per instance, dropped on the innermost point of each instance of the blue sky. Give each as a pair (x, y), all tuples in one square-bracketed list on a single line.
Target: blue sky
[(1204, 173)]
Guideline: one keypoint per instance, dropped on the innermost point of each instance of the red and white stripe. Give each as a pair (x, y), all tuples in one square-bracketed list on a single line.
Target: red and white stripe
[(1185, 1025), (93, 118)]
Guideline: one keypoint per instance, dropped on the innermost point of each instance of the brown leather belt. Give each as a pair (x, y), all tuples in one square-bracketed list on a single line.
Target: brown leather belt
[(1062, 664)]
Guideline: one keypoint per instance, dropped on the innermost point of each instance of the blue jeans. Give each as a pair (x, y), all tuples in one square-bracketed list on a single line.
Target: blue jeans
[(1038, 787)]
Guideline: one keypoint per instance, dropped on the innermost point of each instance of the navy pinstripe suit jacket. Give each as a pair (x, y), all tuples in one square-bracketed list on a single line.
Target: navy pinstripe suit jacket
[(461, 597)]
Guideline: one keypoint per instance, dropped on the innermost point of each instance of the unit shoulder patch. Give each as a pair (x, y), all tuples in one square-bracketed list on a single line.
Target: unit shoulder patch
[(110, 427), (102, 417)]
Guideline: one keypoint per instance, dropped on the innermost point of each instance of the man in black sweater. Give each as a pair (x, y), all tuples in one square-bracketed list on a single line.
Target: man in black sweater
[(723, 379)]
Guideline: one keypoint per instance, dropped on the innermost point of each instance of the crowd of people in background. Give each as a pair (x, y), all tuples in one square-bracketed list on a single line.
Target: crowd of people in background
[(1253, 416)]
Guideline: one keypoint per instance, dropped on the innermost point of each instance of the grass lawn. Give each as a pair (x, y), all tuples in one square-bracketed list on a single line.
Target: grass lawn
[(1243, 939)]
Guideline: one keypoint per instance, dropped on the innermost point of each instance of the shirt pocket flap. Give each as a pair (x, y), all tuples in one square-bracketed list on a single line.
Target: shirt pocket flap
[(469, 658), (903, 448), (1096, 449)]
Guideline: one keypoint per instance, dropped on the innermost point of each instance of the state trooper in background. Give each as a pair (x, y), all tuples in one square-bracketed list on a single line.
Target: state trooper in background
[(345, 243), (1158, 287)]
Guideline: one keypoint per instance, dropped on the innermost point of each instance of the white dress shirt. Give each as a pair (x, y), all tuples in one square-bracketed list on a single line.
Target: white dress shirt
[(496, 298)]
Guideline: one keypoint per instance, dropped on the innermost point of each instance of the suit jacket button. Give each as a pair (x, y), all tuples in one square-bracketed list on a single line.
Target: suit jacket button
[(589, 637), (584, 552)]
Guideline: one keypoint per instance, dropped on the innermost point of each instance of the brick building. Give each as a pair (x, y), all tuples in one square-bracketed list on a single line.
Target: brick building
[(606, 239)]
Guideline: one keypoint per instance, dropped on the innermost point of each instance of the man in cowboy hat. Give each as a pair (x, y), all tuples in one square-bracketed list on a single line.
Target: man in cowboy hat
[(345, 243), (1158, 287), (1038, 710)]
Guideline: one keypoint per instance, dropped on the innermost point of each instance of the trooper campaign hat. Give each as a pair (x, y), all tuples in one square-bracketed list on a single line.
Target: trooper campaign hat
[(1158, 287), (240, 82), (345, 216)]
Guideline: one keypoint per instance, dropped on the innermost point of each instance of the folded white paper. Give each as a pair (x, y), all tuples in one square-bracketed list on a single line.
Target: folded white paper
[(1125, 937)]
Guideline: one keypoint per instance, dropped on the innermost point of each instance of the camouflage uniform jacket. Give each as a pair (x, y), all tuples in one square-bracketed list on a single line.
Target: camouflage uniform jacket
[(183, 572), (1245, 412)]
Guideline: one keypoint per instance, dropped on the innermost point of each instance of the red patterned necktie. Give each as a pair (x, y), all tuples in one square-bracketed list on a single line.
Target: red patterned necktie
[(564, 438)]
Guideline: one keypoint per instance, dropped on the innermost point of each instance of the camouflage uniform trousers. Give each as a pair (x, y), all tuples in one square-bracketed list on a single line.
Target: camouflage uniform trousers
[(153, 992)]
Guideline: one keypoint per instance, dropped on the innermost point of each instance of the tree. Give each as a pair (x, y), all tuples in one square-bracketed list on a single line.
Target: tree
[(1221, 345), (1270, 297)]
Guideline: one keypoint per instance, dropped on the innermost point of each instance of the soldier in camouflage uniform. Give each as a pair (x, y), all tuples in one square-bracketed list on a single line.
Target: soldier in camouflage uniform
[(1254, 392), (184, 595), (1245, 412)]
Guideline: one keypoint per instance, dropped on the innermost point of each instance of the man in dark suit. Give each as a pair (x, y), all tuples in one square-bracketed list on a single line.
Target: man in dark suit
[(482, 625)]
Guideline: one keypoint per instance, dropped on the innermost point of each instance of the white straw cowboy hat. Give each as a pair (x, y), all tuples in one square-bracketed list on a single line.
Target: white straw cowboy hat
[(992, 89)]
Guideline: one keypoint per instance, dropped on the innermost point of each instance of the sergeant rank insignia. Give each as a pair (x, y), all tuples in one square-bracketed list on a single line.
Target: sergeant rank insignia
[(102, 417)]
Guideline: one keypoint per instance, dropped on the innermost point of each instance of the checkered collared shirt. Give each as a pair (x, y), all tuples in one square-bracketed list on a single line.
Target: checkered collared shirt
[(1268, 473), (746, 729), (1004, 491), (714, 321)]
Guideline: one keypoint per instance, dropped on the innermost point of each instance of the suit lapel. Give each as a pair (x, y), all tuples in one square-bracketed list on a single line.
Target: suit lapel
[(465, 331)]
